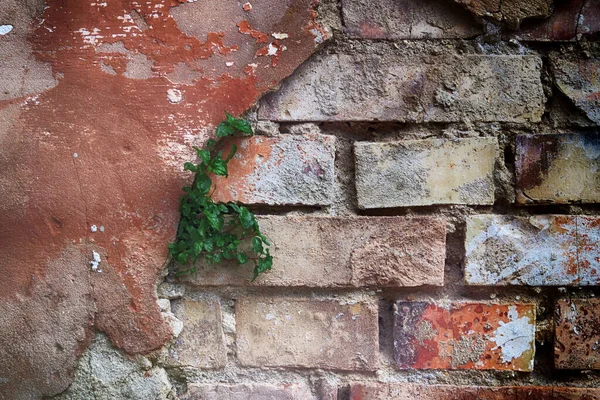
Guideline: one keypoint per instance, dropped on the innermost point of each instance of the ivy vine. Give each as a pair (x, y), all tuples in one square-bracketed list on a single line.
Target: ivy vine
[(217, 231)]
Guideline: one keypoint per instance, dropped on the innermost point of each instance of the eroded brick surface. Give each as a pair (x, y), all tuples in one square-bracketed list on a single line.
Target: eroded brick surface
[(201, 343), (511, 12), (407, 19), (425, 172), (241, 391), (344, 87), (577, 334), (411, 391), (282, 170), (558, 168), (343, 251), (578, 80), (540, 250), (464, 336), (288, 332)]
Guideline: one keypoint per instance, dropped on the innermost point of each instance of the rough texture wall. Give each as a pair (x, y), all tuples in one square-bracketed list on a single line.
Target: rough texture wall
[(430, 181)]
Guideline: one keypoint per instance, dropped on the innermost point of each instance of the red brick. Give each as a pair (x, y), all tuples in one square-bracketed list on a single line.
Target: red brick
[(577, 334), (241, 391), (572, 393), (343, 251), (407, 19), (291, 332), (561, 26), (282, 170), (464, 336)]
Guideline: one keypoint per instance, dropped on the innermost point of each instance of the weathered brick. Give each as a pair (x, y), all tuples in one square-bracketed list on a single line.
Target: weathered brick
[(464, 336), (411, 391), (306, 333), (245, 391), (577, 334), (425, 172), (511, 12), (578, 80), (281, 170), (200, 344), (540, 250), (407, 19), (342, 251), (558, 168), (561, 26), (343, 87)]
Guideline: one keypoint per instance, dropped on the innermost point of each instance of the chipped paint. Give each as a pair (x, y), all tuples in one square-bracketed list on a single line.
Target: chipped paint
[(514, 338), (95, 263), (5, 29)]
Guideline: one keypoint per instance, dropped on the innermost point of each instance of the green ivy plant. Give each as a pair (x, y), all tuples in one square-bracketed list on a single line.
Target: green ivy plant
[(217, 231)]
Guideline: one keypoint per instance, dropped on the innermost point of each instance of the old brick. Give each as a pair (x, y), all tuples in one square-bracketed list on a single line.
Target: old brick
[(558, 168), (200, 344), (342, 87), (540, 250), (411, 391), (425, 172), (407, 19), (291, 332), (577, 335), (512, 12), (464, 336), (343, 251), (282, 170), (245, 391), (561, 26), (578, 80)]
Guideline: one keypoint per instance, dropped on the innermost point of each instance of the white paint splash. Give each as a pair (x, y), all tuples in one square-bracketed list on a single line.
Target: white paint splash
[(93, 228), (5, 29), (280, 36), (515, 337), (95, 263), (174, 95)]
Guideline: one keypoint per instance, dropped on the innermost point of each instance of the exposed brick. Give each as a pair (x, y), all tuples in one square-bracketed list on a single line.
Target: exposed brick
[(245, 391), (540, 250), (578, 80), (577, 335), (425, 172), (411, 391), (561, 26), (511, 12), (291, 332), (282, 170), (558, 168), (200, 344), (342, 251), (464, 336), (343, 87), (407, 19)]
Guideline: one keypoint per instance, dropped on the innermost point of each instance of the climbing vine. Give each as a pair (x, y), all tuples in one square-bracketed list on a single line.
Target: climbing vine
[(217, 231)]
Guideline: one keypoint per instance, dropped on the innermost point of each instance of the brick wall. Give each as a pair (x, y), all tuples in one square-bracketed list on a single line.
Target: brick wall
[(433, 181)]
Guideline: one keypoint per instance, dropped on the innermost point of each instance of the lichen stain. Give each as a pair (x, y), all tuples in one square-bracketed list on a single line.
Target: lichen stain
[(118, 127)]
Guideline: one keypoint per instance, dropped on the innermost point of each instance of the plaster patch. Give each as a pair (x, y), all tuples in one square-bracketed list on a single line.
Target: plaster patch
[(513, 338), (5, 29), (95, 263), (174, 96)]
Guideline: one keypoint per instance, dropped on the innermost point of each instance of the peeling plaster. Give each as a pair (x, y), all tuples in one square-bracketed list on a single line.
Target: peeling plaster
[(513, 338)]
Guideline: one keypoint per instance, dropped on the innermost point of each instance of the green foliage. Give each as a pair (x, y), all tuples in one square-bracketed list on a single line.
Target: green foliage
[(217, 231)]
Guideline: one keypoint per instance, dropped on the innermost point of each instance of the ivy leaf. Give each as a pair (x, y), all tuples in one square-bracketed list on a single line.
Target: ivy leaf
[(188, 166), (204, 155), (231, 153), (257, 245), (203, 184), (224, 129), (215, 220), (242, 258), (263, 264), (182, 258), (246, 218), (239, 123), (219, 166)]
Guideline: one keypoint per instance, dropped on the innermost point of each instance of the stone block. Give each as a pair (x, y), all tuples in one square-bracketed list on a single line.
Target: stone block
[(342, 251), (464, 336), (425, 172), (282, 170), (559, 168), (201, 343), (407, 19), (540, 250), (307, 333), (357, 87), (245, 391), (577, 334)]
